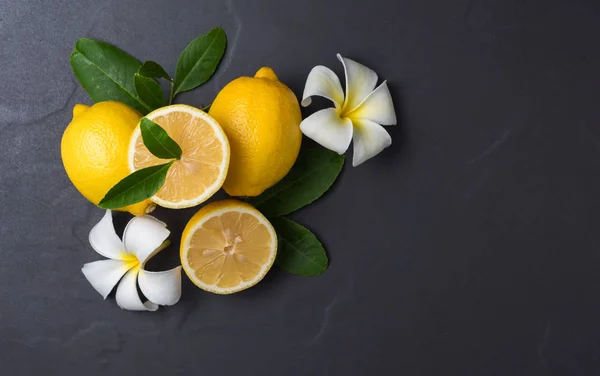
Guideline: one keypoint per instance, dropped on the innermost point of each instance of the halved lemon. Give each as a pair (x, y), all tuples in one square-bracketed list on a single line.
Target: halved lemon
[(227, 246), (202, 168)]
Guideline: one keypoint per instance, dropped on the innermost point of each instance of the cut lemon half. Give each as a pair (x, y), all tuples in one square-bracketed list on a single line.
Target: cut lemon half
[(227, 246), (202, 168)]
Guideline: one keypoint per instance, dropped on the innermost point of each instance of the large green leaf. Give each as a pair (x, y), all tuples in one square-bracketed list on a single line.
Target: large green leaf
[(136, 187), (299, 251), (313, 173), (106, 73), (157, 140), (199, 60), (149, 91)]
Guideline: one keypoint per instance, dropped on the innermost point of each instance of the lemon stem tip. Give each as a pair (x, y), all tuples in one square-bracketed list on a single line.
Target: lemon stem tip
[(79, 108), (266, 72)]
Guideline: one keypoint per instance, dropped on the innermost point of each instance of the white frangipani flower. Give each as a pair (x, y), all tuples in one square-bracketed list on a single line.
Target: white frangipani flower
[(143, 238), (358, 116)]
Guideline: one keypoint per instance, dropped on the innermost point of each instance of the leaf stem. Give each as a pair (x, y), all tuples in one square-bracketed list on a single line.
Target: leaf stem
[(171, 93)]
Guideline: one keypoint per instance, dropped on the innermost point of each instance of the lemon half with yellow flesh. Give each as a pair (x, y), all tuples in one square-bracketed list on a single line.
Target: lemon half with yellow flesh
[(204, 162), (227, 246)]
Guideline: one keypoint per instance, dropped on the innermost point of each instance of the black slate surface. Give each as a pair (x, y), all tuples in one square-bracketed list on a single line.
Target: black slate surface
[(470, 247)]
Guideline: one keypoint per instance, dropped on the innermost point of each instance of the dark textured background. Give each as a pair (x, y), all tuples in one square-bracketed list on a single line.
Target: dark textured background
[(470, 247)]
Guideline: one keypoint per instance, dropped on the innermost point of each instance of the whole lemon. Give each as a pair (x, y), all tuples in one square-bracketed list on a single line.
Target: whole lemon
[(261, 117), (94, 150)]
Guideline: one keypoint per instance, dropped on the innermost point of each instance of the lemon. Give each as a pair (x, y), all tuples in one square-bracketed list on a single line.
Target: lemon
[(261, 117), (94, 150), (227, 246), (202, 168)]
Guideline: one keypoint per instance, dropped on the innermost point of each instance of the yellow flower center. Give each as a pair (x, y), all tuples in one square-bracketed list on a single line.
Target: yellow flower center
[(130, 260)]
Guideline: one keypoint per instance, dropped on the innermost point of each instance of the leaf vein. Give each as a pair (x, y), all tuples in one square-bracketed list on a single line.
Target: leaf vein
[(303, 254), (196, 64), (274, 192)]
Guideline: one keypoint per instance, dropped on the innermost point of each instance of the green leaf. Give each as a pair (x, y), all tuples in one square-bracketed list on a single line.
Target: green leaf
[(149, 91), (299, 251), (153, 70), (199, 60), (158, 141), (313, 173), (136, 187), (106, 73)]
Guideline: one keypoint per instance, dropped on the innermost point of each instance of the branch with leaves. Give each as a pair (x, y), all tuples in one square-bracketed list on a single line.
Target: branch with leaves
[(108, 73)]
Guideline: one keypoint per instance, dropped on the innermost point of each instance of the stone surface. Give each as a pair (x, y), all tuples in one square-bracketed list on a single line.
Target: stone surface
[(470, 247)]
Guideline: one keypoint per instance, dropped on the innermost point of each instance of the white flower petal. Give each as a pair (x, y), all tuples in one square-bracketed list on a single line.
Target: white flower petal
[(156, 219), (127, 295), (323, 82), (162, 288), (360, 82), (377, 107), (328, 129), (143, 235), (105, 274), (104, 239), (369, 140)]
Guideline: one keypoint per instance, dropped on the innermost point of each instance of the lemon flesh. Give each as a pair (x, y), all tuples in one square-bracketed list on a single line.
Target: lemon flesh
[(227, 246)]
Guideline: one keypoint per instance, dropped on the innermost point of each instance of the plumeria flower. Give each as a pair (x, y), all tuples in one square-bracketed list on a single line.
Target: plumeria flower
[(143, 238), (358, 116)]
